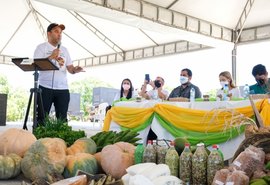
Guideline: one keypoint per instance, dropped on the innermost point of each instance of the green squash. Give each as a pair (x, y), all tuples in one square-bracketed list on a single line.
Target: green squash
[(179, 144), (10, 166), (46, 157), (80, 161)]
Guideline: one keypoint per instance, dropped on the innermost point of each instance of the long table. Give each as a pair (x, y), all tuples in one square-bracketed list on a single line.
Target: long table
[(165, 118)]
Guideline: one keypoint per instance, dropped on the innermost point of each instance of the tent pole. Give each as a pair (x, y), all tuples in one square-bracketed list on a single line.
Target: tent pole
[(234, 53)]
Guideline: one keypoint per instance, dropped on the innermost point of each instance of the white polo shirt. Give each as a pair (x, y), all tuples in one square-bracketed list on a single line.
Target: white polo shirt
[(55, 79), (152, 92)]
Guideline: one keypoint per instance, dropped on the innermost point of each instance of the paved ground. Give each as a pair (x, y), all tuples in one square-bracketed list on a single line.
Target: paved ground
[(89, 127)]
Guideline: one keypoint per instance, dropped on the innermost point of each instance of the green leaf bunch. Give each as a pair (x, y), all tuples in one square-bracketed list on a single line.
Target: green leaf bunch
[(53, 127)]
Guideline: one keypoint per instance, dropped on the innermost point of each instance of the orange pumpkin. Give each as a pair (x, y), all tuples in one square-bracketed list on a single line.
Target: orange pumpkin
[(82, 145), (16, 141), (98, 158), (115, 159), (47, 156)]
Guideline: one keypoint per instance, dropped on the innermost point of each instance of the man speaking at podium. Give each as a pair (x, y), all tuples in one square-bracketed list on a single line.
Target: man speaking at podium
[(53, 84)]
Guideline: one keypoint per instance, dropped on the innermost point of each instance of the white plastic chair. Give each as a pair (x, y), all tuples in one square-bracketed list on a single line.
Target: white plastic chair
[(100, 115), (73, 107)]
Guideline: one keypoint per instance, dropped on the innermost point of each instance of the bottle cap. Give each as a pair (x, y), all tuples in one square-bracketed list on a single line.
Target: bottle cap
[(149, 142), (187, 144), (200, 144)]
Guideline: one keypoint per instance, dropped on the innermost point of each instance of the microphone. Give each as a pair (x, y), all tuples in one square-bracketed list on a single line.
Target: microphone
[(58, 45), (59, 59)]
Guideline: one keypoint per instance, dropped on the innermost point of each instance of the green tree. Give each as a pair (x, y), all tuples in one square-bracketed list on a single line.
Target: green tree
[(85, 88), (17, 104), (4, 86), (17, 100), (212, 93)]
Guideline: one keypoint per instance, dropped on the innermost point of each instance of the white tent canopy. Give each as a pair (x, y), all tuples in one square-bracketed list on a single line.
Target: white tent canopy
[(101, 32)]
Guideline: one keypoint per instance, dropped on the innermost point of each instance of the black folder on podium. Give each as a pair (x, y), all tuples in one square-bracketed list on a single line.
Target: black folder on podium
[(38, 64)]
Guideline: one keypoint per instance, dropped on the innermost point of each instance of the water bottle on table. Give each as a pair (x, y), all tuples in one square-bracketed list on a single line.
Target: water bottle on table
[(155, 94), (225, 92), (246, 91), (192, 95)]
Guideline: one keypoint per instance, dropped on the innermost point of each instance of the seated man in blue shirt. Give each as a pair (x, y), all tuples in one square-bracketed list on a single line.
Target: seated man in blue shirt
[(263, 82), (184, 89)]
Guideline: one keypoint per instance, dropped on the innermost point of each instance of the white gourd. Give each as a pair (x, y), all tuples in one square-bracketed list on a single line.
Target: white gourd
[(156, 171), (139, 180), (125, 179), (167, 180), (139, 168)]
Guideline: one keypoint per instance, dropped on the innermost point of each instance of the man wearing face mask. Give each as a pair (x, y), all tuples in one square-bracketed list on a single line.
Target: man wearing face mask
[(157, 87), (184, 89), (263, 82)]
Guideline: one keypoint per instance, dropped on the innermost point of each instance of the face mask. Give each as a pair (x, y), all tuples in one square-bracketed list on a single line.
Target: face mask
[(260, 81), (126, 86), (183, 79), (157, 83), (222, 83)]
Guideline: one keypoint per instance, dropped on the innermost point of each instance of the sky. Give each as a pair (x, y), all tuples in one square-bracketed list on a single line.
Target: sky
[(205, 65)]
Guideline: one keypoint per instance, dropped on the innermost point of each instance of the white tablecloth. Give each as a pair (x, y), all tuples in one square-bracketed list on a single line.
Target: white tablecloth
[(228, 148), (204, 105)]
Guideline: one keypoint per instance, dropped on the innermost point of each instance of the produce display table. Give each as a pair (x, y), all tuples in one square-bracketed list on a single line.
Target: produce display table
[(213, 122)]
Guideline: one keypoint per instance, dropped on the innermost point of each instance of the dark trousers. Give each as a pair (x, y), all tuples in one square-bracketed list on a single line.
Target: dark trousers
[(60, 99), (151, 135)]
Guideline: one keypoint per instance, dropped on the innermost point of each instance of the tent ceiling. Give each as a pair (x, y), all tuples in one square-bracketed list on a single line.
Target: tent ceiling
[(93, 29), (225, 12)]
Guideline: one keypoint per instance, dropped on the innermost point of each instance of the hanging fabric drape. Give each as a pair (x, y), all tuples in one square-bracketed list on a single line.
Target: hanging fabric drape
[(214, 126)]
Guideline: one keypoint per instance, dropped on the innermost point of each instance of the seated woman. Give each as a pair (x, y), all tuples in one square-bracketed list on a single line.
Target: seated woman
[(225, 77), (126, 91)]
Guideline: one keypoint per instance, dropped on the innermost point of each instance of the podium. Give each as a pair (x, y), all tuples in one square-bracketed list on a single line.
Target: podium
[(39, 64)]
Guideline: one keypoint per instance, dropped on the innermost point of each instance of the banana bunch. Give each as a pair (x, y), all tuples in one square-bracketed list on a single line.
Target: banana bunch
[(104, 138), (127, 136), (100, 181), (106, 180), (109, 180)]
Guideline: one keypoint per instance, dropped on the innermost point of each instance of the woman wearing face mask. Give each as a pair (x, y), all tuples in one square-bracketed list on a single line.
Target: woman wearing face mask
[(183, 90), (126, 91), (225, 77)]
